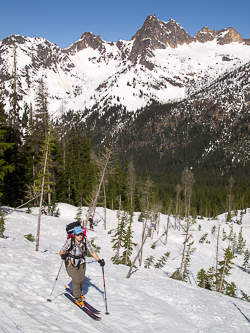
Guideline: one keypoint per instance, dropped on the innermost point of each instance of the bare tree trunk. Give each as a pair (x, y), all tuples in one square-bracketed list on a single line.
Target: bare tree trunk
[(49, 200), (158, 223), (126, 258), (184, 245), (104, 168), (178, 190), (105, 210), (169, 209), (118, 248), (133, 263), (41, 197), (217, 249), (222, 277), (22, 205), (142, 237)]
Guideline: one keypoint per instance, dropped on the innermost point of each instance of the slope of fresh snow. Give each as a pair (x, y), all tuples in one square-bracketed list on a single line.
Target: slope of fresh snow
[(105, 76), (149, 301)]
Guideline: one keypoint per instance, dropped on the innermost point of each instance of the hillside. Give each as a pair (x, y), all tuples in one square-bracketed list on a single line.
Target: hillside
[(148, 301)]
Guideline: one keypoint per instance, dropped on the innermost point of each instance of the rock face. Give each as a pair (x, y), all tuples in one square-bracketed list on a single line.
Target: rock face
[(156, 34), (86, 40), (205, 35), (224, 36)]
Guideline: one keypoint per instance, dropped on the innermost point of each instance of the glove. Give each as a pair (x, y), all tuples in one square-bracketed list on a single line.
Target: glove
[(101, 262), (64, 256)]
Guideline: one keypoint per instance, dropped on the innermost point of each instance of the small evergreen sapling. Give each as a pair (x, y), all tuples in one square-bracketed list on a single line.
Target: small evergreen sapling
[(176, 275), (78, 217), (203, 279), (30, 237), (245, 296), (149, 261), (161, 262), (203, 238), (224, 269), (231, 289), (224, 237), (241, 243), (213, 230), (246, 259)]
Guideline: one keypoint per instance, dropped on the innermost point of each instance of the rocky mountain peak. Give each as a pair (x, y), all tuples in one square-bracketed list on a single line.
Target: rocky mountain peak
[(205, 35), (86, 40), (156, 34), (224, 36), (227, 36)]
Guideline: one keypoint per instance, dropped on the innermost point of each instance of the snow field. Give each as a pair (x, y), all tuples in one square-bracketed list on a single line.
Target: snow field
[(149, 301)]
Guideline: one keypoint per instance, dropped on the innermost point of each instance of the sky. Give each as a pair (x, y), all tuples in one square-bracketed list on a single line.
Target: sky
[(64, 21)]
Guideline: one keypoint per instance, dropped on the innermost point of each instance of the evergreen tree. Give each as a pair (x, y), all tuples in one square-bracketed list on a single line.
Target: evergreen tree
[(130, 185), (128, 241), (224, 237), (118, 239), (78, 217), (224, 269), (203, 279), (187, 257), (5, 167), (231, 289), (246, 259), (41, 110), (161, 262), (149, 261), (241, 242), (245, 296)]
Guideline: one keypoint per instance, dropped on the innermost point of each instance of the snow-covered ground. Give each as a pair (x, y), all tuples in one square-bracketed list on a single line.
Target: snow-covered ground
[(149, 301)]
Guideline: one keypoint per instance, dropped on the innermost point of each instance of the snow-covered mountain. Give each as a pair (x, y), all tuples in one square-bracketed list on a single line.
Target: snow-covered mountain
[(149, 301), (161, 62)]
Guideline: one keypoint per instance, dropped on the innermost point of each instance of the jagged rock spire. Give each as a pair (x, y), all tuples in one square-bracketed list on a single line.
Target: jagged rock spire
[(156, 34), (224, 36)]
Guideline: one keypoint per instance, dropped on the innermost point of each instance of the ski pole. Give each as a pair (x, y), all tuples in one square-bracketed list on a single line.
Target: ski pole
[(49, 299), (105, 291)]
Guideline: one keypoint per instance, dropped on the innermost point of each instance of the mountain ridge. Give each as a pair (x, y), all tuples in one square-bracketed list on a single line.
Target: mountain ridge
[(161, 62)]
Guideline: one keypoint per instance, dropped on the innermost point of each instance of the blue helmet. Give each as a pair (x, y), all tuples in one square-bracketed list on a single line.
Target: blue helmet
[(78, 230)]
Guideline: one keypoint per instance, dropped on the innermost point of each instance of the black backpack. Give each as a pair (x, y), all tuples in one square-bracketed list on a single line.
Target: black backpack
[(70, 228)]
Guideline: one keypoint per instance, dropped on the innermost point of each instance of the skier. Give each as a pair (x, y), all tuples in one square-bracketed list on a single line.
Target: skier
[(91, 223), (73, 252)]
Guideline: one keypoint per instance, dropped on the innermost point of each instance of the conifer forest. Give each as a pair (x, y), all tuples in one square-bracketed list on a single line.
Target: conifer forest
[(75, 147)]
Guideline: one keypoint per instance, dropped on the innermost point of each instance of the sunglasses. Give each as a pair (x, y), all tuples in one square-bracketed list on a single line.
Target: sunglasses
[(81, 234)]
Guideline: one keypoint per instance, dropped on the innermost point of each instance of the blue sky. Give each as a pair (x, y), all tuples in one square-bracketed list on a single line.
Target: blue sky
[(64, 21)]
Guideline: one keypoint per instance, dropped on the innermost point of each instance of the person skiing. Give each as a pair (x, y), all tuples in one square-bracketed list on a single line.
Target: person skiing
[(91, 222), (74, 252)]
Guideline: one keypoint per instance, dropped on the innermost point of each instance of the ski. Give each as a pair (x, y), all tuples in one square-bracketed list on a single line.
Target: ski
[(90, 307), (84, 308)]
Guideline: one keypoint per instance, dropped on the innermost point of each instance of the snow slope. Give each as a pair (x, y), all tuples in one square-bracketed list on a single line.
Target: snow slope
[(149, 301), (104, 76)]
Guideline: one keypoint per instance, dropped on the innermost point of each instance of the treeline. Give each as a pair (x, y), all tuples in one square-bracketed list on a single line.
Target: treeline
[(152, 147), (73, 166)]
